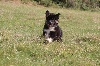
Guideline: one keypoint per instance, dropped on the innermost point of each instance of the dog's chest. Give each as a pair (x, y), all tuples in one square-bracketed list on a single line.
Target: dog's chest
[(49, 34), (49, 30)]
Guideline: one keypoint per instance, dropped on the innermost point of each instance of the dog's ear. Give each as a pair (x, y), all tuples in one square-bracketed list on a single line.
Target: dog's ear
[(58, 13), (57, 16), (47, 13)]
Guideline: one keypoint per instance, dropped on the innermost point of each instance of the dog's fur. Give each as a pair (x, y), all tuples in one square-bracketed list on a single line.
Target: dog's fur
[(51, 30)]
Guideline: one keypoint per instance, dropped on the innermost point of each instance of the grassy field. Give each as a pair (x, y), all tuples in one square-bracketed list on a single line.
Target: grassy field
[(21, 45)]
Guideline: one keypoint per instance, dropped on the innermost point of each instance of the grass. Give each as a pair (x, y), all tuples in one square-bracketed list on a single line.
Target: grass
[(21, 45)]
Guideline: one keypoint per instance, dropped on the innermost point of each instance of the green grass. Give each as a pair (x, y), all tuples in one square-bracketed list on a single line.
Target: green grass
[(21, 45)]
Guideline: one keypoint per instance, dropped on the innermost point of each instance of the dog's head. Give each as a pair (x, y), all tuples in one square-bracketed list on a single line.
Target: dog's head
[(52, 19)]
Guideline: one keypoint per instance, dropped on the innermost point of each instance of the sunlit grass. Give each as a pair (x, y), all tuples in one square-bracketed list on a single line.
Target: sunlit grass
[(21, 43)]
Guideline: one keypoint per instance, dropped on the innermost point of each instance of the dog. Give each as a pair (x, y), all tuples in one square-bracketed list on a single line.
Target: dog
[(52, 31)]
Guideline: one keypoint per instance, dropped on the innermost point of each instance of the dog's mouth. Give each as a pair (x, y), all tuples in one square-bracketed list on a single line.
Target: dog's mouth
[(52, 23)]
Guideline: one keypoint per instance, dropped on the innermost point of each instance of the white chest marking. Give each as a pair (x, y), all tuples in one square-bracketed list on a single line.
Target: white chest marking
[(47, 34)]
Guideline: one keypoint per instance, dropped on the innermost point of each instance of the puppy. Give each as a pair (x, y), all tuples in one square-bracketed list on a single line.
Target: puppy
[(52, 31)]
